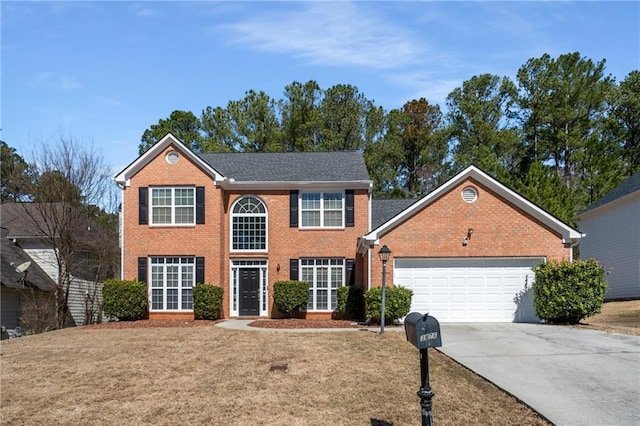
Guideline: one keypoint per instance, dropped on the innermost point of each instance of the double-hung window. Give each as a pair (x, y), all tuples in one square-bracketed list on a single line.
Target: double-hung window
[(172, 281), (322, 209), (173, 206), (324, 277)]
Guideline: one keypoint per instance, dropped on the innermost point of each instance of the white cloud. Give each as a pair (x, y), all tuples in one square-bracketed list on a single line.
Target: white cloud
[(54, 81), (329, 34), (424, 85)]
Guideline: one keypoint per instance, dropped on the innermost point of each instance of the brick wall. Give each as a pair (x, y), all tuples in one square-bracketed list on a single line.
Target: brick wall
[(212, 240), (499, 229)]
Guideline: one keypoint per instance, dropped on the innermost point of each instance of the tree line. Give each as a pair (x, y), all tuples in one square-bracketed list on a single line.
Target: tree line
[(563, 133)]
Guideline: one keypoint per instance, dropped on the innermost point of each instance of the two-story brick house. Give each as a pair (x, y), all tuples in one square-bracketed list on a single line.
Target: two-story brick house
[(243, 221)]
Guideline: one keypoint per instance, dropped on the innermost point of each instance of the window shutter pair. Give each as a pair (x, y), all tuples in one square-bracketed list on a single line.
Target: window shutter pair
[(142, 270), (349, 209), (143, 205)]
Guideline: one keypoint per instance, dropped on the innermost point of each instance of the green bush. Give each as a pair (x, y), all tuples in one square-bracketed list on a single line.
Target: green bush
[(207, 301), (125, 300), (397, 303), (567, 292), (350, 301), (290, 296)]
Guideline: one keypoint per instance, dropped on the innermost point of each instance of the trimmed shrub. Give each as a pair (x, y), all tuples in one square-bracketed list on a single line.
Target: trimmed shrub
[(290, 296), (125, 300), (207, 301), (397, 303), (350, 301), (567, 292)]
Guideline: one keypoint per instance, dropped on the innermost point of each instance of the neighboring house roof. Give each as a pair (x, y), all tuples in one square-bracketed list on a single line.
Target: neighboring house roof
[(568, 233), (383, 210), (22, 221), (627, 187), (12, 255), (27, 221), (265, 170)]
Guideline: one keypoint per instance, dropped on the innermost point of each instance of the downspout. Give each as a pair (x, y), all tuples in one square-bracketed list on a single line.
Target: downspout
[(574, 244), (121, 229), (370, 214)]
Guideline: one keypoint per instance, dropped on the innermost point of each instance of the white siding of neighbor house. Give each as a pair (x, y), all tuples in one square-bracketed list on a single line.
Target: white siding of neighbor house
[(78, 292), (46, 259), (613, 238)]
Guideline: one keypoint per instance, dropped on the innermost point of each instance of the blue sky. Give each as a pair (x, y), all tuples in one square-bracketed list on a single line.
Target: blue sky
[(103, 72)]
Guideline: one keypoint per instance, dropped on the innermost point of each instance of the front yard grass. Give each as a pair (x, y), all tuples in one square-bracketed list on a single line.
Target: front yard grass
[(208, 375), (617, 317)]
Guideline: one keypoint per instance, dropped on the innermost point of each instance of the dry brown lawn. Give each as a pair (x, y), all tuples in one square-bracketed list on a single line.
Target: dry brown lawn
[(213, 376), (617, 317)]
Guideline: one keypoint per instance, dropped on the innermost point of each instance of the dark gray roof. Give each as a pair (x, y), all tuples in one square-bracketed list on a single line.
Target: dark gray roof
[(23, 220), (627, 187), (335, 166), (12, 253), (27, 220), (383, 210)]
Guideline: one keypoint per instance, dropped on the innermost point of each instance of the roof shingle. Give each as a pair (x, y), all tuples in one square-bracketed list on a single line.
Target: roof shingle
[(335, 166), (383, 210), (627, 187)]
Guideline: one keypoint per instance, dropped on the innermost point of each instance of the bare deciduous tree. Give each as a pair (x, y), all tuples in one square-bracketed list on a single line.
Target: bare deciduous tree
[(73, 195)]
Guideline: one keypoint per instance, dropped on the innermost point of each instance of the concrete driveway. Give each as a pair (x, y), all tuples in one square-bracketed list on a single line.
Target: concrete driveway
[(570, 376)]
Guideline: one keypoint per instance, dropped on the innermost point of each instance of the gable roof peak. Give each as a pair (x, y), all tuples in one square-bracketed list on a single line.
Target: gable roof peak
[(124, 177), (568, 233)]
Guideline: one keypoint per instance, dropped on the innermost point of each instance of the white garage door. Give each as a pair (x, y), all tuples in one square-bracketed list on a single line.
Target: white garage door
[(469, 290)]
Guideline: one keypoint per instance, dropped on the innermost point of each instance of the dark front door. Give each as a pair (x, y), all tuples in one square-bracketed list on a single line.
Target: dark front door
[(249, 291)]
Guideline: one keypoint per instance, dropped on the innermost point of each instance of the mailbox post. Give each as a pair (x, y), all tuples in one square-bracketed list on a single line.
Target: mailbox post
[(423, 332)]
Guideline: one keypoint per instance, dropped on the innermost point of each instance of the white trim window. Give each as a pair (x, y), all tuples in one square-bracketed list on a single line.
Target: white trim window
[(172, 281), (173, 206), (324, 277), (249, 225), (322, 210)]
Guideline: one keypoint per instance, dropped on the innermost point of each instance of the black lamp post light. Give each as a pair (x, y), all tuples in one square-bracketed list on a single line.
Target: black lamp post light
[(384, 255)]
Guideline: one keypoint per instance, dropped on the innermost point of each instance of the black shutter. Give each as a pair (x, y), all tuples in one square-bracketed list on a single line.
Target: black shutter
[(293, 209), (199, 270), (200, 204), (293, 269), (143, 205), (142, 269), (351, 272), (350, 213)]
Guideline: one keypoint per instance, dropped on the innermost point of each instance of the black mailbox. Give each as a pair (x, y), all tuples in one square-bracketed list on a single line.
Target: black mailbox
[(422, 331)]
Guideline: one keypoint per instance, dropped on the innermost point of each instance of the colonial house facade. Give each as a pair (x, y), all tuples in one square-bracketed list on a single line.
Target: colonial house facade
[(243, 221)]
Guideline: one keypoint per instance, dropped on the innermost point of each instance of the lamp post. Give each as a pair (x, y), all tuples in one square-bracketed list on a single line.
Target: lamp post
[(384, 255)]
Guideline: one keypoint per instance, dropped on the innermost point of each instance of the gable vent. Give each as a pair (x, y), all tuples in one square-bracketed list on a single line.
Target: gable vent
[(469, 194)]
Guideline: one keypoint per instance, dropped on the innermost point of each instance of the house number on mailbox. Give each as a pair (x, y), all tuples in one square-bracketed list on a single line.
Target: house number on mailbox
[(428, 336)]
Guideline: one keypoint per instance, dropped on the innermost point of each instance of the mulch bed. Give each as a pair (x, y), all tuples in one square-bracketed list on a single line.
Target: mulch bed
[(150, 324), (304, 323), (293, 323)]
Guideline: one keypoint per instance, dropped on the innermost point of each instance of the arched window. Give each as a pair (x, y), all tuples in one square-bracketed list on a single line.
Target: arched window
[(249, 225)]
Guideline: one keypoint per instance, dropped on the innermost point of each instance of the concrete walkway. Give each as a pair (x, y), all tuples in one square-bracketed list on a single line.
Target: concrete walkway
[(234, 324), (571, 376)]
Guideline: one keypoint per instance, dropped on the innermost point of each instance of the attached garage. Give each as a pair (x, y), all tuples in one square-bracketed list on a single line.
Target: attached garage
[(469, 289), (466, 249)]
